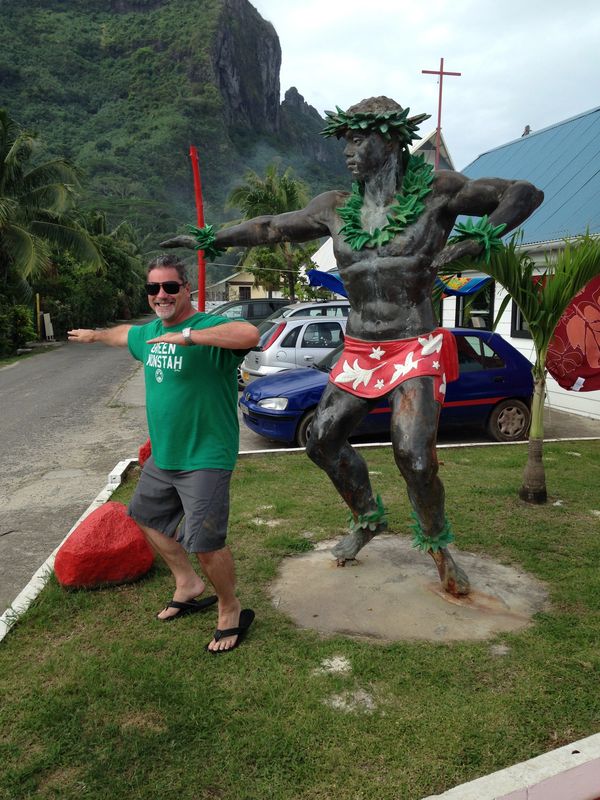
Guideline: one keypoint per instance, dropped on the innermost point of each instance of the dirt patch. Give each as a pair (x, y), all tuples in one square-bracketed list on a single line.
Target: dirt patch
[(392, 593)]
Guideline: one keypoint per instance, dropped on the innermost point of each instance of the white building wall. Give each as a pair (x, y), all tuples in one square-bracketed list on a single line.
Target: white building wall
[(586, 404)]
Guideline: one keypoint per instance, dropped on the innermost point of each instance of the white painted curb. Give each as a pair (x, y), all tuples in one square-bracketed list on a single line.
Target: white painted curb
[(568, 773), (41, 577)]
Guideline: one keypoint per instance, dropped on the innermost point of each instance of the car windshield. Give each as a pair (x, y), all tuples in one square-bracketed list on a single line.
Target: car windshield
[(279, 313)]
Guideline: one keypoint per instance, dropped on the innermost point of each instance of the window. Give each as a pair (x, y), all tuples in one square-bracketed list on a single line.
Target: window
[(329, 311), (474, 355), (326, 334), (290, 339), (235, 312), (260, 308), (245, 292), (476, 311), (518, 327)]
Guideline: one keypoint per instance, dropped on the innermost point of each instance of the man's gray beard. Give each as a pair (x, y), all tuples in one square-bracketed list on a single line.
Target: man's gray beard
[(169, 312)]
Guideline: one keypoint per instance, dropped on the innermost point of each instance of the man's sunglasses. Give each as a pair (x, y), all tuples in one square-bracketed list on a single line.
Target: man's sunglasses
[(170, 287)]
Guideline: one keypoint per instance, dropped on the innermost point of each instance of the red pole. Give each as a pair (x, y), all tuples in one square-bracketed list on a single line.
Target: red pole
[(200, 223)]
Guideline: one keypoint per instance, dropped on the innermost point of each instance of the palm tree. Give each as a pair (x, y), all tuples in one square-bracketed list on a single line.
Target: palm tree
[(542, 300), (35, 204), (273, 194)]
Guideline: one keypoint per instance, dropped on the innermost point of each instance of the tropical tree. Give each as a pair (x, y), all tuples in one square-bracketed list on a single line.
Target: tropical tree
[(274, 193), (542, 300), (37, 199)]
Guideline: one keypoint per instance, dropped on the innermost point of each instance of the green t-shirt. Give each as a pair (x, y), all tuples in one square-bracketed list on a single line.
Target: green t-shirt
[(191, 397)]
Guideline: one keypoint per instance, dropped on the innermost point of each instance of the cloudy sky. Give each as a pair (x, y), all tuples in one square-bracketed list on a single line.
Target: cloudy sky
[(523, 62)]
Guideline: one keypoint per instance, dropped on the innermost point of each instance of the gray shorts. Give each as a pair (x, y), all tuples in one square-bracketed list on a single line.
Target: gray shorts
[(164, 496)]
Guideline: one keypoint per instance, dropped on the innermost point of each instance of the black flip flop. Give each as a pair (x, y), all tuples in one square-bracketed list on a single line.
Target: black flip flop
[(191, 607), (246, 619)]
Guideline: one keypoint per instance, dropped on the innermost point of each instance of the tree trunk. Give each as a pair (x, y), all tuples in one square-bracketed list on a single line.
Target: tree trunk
[(533, 489)]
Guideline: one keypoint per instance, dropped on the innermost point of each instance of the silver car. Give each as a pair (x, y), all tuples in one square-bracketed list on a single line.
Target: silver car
[(292, 342), (314, 308)]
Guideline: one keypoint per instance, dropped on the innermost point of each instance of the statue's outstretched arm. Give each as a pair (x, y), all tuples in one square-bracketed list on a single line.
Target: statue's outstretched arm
[(294, 226)]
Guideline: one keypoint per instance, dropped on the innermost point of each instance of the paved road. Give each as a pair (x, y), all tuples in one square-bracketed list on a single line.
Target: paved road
[(62, 430)]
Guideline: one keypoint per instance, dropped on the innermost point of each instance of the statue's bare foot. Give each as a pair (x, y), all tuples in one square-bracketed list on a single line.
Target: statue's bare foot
[(347, 548), (453, 578)]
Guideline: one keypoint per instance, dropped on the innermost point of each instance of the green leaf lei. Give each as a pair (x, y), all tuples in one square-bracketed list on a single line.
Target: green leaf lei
[(370, 520), (433, 543), (407, 208), (482, 231), (206, 241)]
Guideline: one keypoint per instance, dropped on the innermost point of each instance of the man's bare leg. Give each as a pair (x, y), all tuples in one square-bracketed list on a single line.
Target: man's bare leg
[(188, 584), (415, 415), (337, 415), (219, 569)]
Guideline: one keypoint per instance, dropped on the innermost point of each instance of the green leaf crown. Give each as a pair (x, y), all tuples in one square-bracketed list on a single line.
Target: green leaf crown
[(395, 123)]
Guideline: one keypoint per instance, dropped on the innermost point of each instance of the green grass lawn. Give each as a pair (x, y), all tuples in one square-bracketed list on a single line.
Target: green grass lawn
[(99, 700)]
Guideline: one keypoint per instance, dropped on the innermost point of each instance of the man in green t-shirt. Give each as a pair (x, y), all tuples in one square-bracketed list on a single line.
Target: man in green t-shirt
[(190, 368)]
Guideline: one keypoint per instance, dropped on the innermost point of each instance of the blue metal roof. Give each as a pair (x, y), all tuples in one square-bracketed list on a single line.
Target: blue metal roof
[(562, 160)]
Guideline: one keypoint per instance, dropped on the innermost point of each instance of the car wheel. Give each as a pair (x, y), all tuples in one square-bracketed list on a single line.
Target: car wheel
[(303, 431), (509, 421)]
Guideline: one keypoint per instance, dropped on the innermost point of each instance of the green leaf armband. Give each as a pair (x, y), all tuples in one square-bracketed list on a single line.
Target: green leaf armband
[(206, 238), (433, 543), (371, 520), (482, 231)]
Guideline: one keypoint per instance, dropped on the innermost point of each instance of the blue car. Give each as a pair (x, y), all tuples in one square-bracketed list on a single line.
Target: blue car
[(494, 390)]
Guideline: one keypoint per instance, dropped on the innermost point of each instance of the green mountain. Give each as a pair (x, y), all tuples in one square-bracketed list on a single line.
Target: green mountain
[(123, 87)]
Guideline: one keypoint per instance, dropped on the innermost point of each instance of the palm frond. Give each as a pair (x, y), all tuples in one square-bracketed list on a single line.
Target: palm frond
[(54, 197), (16, 148), (58, 170), (272, 194), (28, 253), (8, 210), (69, 236)]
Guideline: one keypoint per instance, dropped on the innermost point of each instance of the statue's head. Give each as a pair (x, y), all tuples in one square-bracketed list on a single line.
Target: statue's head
[(375, 115)]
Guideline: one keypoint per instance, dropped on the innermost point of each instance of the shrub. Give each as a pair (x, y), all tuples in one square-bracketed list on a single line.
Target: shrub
[(16, 327)]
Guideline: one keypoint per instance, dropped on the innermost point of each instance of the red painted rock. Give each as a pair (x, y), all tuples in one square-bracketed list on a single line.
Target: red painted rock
[(144, 453), (108, 547)]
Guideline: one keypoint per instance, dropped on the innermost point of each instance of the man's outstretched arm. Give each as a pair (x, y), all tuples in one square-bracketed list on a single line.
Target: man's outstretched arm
[(115, 337), (229, 335), (294, 226)]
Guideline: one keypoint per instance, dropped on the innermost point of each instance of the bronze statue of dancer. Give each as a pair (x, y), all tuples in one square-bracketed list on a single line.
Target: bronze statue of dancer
[(390, 236)]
